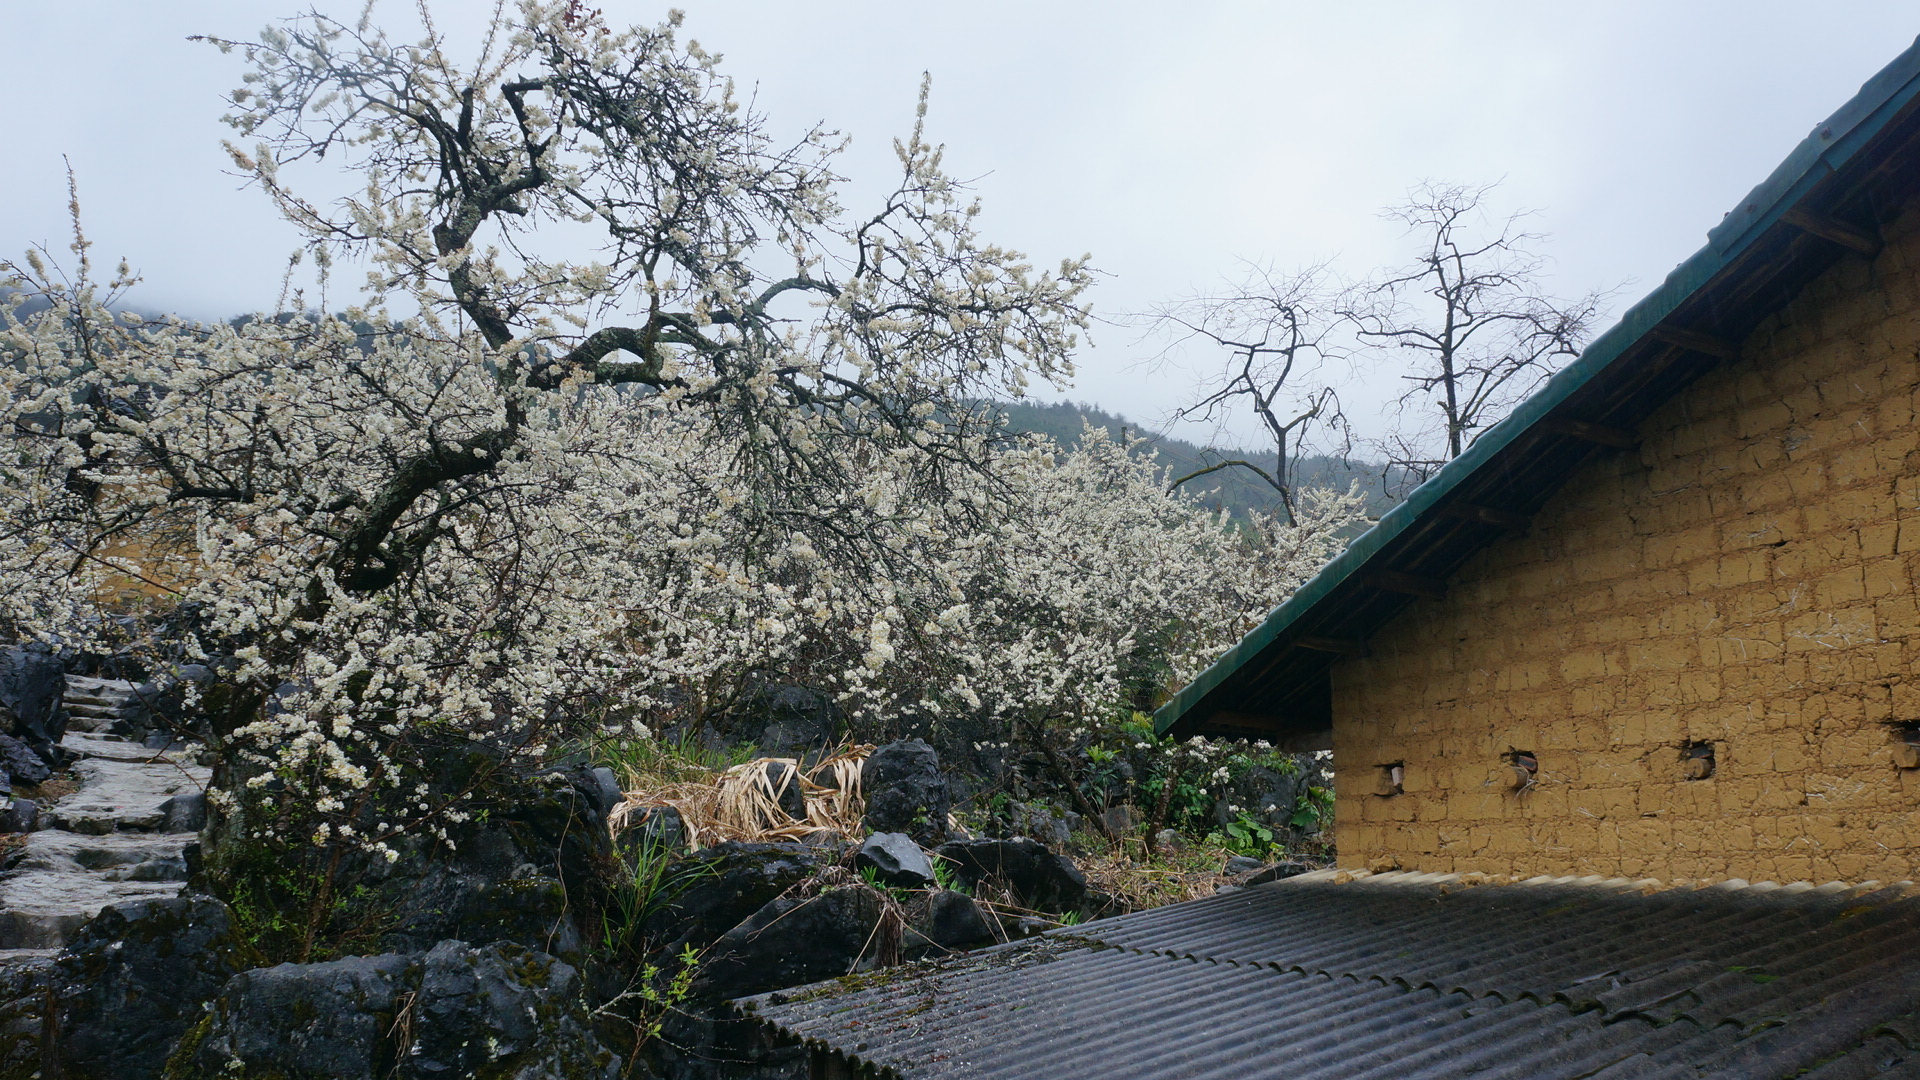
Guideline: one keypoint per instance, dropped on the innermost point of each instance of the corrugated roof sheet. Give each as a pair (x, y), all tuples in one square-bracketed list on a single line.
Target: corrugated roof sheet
[(1411, 975), (1860, 167)]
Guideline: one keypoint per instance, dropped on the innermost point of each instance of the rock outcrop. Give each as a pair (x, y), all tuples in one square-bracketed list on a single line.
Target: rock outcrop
[(456, 1010), (795, 940), (132, 983), (906, 792), (713, 890), (1036, 877), (33, 684)]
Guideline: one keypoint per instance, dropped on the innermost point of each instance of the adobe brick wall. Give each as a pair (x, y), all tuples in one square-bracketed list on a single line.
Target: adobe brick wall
[(1746, 578)]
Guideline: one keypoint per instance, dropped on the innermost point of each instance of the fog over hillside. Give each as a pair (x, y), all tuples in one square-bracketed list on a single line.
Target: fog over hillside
[(1235, 489)]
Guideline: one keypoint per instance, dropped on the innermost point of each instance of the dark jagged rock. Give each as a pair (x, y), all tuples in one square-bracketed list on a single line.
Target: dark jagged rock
[(1279, 871), (501, 1010), (895, 860), (1270, 795), (32, 682), (950, 920), (788, 720), (20, 764), (135, 979), (1038, 878), (308, 1020), (166, 698), (24, 981), (791, 941), (522, 874), (186, 812), (456, 1011), (606, 790), (1036, 820), (1241, 864), (20, 816), (714, 889), (785, 780), (906, 791), (650, 832)]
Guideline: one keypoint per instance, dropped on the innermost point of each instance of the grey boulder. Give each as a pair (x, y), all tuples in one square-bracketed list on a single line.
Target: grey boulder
[(134, 979), (1037, 878), (20, 764), (950, 920), (794, 941), (308, 1020), (33, 682), (711, 891), (185, 812), (1241, 864), (497, 1011), (895, 860), (906, 792)]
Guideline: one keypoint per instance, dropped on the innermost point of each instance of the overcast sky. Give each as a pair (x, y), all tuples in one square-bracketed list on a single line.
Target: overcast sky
[(1166, 140)]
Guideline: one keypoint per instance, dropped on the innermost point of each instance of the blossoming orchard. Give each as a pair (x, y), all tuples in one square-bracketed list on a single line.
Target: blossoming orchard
[(493, 495)]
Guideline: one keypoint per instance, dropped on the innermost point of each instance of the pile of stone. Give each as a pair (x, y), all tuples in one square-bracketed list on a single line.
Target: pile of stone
[(495, 964)]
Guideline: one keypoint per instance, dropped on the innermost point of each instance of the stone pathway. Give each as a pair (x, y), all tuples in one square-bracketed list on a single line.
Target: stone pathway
[(96, 704), (120, 837)]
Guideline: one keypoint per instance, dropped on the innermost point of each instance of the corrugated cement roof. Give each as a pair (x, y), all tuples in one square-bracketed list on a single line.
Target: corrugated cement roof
[(1411, 975), (1826, 201)]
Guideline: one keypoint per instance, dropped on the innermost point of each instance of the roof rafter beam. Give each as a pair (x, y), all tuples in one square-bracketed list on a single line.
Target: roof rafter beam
[(1342, 646), (1618, 438), (1228, 720), (1394, 581), (1826, 228), (1695, 341), (1487, 515)]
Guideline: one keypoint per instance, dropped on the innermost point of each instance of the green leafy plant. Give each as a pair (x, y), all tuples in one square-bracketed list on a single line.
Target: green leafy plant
[(900, 895), (1314, 810), (651, 999), (648, 882), (1246, 835), (946, 877)]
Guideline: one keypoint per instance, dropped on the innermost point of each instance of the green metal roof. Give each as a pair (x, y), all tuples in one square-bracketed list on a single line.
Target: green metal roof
[(1857, 162)]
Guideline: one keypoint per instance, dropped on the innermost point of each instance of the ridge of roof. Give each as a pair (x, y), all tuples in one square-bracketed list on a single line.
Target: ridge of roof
[(1831, 143)]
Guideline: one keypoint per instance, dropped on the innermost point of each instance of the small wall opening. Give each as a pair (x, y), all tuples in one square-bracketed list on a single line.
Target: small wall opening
[(1524, 769), (1390, 779), (1697, 760), (1906, 745)]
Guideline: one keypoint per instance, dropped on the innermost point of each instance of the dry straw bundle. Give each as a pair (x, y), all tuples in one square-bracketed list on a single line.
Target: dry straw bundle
[(744, 802)]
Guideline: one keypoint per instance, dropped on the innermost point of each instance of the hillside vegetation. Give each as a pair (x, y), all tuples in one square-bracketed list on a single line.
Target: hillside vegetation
[(1233, 489)]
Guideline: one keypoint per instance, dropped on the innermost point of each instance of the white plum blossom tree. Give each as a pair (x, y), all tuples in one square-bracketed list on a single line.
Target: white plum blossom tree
[(750, 437)]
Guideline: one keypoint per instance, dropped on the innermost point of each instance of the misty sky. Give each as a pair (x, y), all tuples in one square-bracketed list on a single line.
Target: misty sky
[(1166, 144)]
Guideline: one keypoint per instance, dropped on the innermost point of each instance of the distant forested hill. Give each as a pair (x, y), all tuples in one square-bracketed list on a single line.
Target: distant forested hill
[(1236, 489)]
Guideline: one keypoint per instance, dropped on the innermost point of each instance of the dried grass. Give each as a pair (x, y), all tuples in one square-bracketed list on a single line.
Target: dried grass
[(742, 802), (1156, 883)]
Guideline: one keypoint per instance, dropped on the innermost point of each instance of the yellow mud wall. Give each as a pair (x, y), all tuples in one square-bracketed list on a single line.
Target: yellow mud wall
[(1745, 579)]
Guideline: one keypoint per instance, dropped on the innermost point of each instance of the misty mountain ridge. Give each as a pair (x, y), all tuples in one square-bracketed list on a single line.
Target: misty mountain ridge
[(1234, 489)]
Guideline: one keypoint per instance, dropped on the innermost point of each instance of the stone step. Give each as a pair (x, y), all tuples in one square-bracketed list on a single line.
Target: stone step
[(14, 959), (105, 843), (114, 748), (77, 697), (94, 701), (91, 683), (104, 712)]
